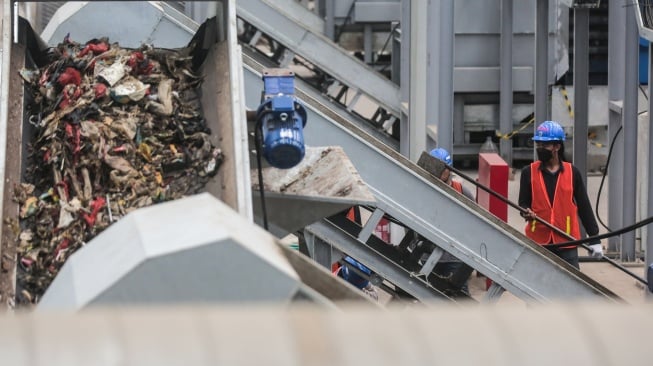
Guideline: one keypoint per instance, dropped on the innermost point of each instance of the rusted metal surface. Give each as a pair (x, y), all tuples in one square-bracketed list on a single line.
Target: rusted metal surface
[(14, 156), (323, 184), (324, 172)]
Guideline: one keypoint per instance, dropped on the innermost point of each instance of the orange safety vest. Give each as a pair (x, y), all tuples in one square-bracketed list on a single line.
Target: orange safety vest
[(563, 214), (457, 186)]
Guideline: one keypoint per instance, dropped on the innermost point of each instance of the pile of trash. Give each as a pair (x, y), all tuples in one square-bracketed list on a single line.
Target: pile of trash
[(115, 130)]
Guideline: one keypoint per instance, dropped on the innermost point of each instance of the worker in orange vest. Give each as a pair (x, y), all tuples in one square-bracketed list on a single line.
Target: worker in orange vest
[(450, 266), (553, 190)]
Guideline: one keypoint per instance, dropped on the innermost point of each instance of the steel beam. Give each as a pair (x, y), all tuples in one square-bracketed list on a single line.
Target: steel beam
[(376, 11), (329, 19), (368, 40), (616, 72), (445, 82), (541, 61), (395, 57), (385, 268), (431, 35), (370, 225), (288, 25), (506, 91), (629, 184), (318, 249), (581, 81), (405, 136), (649, 231)]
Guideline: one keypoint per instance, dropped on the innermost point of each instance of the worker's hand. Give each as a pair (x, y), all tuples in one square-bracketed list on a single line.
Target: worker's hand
[(528, 214), (596, 250)]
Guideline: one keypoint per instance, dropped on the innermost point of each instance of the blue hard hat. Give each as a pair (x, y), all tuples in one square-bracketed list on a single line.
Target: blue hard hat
[(549, 131), (353, 277), (442, 154)]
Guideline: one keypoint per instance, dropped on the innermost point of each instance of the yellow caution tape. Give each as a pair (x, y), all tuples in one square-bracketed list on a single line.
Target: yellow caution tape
[(509, 135), (563, 91)]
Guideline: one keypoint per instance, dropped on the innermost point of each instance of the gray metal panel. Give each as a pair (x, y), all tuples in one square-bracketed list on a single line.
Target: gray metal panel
[(131, 24), (286, 26), (480, 17), (221, 272), (482, 50), (487, 79), (377, 11), (194, 249), (435, 211)]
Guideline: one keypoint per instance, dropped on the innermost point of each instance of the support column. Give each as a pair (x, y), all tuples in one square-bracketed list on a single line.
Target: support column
[(649, 231), (405, 80), (445, 97), (329, 22), (541, 61), (395, 57), (506, 91), (630, 135), (581, 81), (616, 71), (368, 48), (432, 58), (458, 120)]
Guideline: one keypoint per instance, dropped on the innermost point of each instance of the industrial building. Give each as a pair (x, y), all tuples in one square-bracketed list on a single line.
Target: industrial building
[(241, 181)]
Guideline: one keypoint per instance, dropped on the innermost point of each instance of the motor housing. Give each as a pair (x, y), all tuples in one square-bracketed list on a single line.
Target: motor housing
[(282, 118)]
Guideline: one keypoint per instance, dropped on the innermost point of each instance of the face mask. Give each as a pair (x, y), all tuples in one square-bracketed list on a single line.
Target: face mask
[(544, 155)]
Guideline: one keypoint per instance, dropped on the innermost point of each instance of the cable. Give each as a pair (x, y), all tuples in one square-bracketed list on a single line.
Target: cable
[(258, 143), (605, 172), (344, 23), (385, 44), (560, 232), (624, 230)]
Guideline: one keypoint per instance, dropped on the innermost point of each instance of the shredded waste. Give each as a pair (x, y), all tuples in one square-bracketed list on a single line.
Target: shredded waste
[(115, 129)]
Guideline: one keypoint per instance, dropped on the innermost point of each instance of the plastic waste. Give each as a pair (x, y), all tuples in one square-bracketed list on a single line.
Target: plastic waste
[(103, 146)]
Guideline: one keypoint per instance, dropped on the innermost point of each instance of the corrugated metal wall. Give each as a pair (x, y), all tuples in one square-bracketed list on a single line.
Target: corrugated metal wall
[(46, 10)]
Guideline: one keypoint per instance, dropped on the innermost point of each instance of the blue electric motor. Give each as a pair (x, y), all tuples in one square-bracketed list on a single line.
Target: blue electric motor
[(282, 118)]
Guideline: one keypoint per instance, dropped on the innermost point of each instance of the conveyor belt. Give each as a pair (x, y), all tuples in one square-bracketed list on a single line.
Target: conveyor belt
[(432, 209), (296, 28)]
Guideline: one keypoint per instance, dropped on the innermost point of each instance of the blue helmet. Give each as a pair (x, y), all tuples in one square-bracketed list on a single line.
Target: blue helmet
[(353, 277), (549, 131), (442, 154)]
